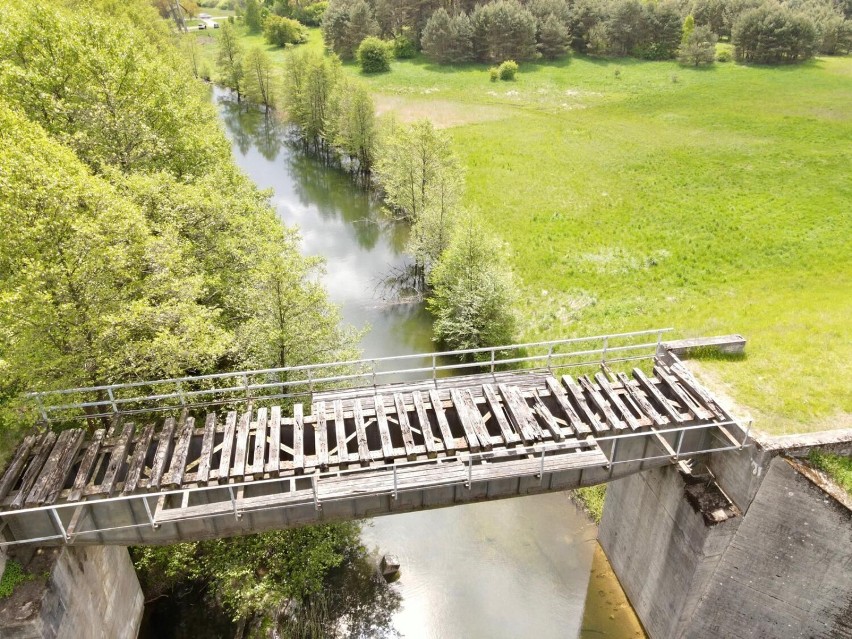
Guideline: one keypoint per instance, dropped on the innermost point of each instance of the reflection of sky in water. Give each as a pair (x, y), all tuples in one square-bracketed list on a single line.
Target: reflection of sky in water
[(511, 568)]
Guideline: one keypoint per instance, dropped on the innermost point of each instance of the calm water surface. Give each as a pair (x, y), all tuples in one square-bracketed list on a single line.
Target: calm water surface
[(512, 568)]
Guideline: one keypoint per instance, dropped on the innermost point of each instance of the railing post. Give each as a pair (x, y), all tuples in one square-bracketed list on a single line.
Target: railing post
[(317, 505), (679, 443), (549, 356), (58, 522), (374, 373), (605, 347), (469, 471), (612, 450), (154, 524), (492, 361), (434, 369), (541, 467), (41, 409), (237, 514), (395, 489), (246, 386), (745, 437), (112, 400)]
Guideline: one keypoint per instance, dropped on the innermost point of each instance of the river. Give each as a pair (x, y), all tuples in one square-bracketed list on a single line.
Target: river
[(526, 567)]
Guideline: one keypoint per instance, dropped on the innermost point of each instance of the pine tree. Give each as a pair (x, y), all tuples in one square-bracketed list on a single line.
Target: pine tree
[(553, 38)]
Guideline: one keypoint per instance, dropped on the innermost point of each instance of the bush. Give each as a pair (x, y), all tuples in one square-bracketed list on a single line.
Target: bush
[(772, 34), (374, 55), (699, 48), (403, 47), (494, 72), (283, 31), (724, 56), (503, 29), (508, 70)]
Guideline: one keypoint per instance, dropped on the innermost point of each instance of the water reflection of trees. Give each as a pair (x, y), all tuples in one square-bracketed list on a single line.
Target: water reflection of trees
[(250, 127), (356, 603)]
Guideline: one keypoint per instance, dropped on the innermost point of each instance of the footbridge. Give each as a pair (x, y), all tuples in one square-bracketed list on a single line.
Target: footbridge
[(163, 461)]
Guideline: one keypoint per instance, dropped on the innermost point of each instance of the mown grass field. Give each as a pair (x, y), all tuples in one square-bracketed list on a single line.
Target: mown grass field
[(713, 201)]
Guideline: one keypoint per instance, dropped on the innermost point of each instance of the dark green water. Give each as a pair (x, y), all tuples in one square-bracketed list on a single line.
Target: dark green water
[(512, 568)]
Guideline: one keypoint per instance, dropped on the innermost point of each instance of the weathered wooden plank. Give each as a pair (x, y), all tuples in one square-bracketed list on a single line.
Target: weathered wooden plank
[(205, 460), (510, 437), (361, 433), (644, 405), (257, 463), (63, 467), (558, 393), (241, 447), (443, 424), (616, 402), (520, 414), (465, 419), (585, 412), (689, 404), (273, 465), (298, 438), (664, 443), (404, 427), (177, 466), (340, 433), (164, 447), (114, 423), (137, 462), (653, 393), (45, 446), (601, 403), (227, 446), (35, 494), (86, 465), (547, 418), (423, 423), (117, 459), (476, 419), (692, 385), (384, 430), (16, 467), (321, 435)]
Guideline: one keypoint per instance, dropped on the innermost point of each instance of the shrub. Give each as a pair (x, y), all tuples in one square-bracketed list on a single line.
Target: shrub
[(508, 70), (403, 47), (494, 72), (374, 55), (283, 31), (772, 34), (503, 29), (446, 39), (699, 48), (724, 56)]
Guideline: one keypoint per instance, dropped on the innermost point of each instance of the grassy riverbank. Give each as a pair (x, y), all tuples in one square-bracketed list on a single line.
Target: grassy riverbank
[(639, 194)]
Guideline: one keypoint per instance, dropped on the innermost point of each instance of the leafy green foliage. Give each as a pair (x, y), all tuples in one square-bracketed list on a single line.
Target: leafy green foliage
[(699, 48), (345, 25), (13, 575), (503, 30), (592, 498), (310, 80), (374, 55), (252, 16), (472, 297), (448, 39), (357, 132), (259, 85), (229, 59), (553, 38), (507, 70), (403, 46), (838, 467), (283, 31)]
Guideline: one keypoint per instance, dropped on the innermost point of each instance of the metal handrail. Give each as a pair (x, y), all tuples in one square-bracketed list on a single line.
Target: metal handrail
[(367, 373)]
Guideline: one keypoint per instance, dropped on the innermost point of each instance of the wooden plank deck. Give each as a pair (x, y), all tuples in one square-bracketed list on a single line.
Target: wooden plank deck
[(488, 416)]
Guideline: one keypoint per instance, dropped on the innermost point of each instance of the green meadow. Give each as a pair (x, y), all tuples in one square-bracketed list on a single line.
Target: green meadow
[(640, 194)]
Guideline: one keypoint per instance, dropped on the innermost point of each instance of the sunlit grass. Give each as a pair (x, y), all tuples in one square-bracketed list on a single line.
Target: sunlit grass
[(712, 200)]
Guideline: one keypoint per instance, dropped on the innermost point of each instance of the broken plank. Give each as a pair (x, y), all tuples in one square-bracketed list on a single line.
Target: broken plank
[(273, 465), (558, 393), (161, 456), (340, 432), (384, 430), (10, 477), (547, 418), (698, 391), (616, 402), (466, 420), (425, 425), (86, 465), (476, 419), (36, 464), (664, 443), (361, 433), (177, 467), (66, 463), (586, 413), (510, 437), (298, 438), (404, 427), (689, 404), (117, 459), (321, 435), (205, 460), (241, 447), (36, 493), (227, 445), (601, 403), (520, 413), (137, 462), (443, 424), (644, 405), (257, 463), (653, 393)]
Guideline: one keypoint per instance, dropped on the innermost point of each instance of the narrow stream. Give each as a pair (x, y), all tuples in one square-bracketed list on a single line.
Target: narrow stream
[(511, 568)]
